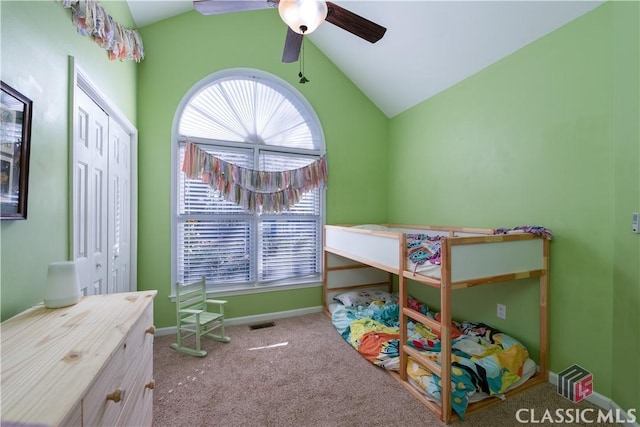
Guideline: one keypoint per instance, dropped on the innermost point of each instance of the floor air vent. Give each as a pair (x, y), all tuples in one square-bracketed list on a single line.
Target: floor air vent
[(262, 325)]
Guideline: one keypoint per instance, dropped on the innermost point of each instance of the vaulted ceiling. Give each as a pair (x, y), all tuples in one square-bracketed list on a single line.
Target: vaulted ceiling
[(429, 45)]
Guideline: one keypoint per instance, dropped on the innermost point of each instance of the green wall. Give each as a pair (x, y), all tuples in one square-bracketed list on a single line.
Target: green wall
[(37, 39), (183, 50), (626, 261), (548, 135)]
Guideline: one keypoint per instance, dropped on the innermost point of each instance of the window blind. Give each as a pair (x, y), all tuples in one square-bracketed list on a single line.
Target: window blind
[(253, 120)]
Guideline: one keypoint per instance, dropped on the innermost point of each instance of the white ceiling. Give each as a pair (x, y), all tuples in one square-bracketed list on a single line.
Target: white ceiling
[(429, 45)]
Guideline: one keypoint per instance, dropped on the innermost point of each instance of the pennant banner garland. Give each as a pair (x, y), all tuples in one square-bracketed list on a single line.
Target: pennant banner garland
[(254, 190), (92, 20)]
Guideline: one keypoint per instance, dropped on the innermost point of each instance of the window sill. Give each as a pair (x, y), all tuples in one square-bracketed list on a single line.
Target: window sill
[(311, 282)]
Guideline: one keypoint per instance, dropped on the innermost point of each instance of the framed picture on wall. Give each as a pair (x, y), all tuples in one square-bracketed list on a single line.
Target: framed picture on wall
[(15, 135)]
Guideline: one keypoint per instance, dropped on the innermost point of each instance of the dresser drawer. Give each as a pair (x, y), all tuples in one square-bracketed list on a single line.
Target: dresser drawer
[(114, 386), (104, 401), (138, 409), (139, 343)]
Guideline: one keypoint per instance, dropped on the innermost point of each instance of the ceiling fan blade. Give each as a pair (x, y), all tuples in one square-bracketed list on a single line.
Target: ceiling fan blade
[(292, 45), (355, 24), (216, 7)]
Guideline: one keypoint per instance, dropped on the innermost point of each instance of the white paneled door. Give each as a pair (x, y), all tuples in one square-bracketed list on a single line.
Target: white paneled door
[(119, 217), (101, 199)]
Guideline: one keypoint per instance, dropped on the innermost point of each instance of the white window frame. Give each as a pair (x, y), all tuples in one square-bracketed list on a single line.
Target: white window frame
[(311, 117)]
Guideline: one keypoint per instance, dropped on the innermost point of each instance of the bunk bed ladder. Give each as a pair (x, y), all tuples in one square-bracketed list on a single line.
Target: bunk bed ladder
[(443, 410), (445, 331), (402, 311), (544, 315)]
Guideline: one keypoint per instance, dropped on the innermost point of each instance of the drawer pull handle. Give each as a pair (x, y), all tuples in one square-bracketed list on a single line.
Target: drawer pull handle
[(150, 385), (151, 330), (116, 396)]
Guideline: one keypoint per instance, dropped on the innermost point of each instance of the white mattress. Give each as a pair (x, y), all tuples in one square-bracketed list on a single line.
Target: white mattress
[(332, 306), (426, 269)]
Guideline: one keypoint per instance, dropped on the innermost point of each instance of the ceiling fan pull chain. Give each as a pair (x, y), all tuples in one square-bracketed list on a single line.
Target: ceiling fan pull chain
[(303, 79)]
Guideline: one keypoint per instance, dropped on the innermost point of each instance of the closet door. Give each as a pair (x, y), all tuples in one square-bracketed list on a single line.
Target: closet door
[(119, 219), (101, 201), (90, 198)]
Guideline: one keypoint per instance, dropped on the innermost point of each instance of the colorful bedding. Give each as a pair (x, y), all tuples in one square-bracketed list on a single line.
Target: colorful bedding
[(483, 358)]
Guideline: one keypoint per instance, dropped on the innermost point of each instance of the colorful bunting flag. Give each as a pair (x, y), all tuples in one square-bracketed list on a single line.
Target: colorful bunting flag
[(254, 190), (92, 20)]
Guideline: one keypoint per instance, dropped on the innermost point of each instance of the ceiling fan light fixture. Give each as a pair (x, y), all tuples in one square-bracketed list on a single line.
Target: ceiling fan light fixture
[(303, 16)]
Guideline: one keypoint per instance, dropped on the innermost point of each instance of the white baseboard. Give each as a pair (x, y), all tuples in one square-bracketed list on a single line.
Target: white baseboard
[(599, 400), (258, 318)]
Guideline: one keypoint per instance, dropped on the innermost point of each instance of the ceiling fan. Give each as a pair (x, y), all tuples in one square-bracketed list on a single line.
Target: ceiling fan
[(301, 16)]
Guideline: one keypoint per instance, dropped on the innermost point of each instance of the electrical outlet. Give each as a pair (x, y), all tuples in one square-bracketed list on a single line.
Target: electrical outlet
[(502, 311)]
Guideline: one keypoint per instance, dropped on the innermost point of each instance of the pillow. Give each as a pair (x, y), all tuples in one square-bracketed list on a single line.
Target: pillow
[(364, 297), (418, 306), (455, 332), (479, 330)]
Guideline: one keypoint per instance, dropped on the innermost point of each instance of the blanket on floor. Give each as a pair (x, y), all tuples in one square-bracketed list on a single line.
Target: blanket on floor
[(483, 358)]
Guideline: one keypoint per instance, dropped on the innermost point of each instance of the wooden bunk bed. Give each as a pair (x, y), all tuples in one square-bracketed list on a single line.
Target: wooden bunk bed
[(365, 257)]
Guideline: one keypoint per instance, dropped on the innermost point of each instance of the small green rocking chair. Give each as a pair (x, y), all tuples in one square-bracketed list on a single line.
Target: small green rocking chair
[(195, 319)]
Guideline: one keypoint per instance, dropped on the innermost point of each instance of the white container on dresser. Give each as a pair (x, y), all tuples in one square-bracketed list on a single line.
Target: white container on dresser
[(90, 364)]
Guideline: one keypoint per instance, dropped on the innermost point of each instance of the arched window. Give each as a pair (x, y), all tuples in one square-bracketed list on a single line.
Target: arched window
[(256, 121)]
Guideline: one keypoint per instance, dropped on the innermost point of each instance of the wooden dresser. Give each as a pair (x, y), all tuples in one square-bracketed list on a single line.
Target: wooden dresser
[(89, 364)]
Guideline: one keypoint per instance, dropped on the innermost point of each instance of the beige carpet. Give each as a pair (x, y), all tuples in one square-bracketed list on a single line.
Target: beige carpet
[(300, 372)]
